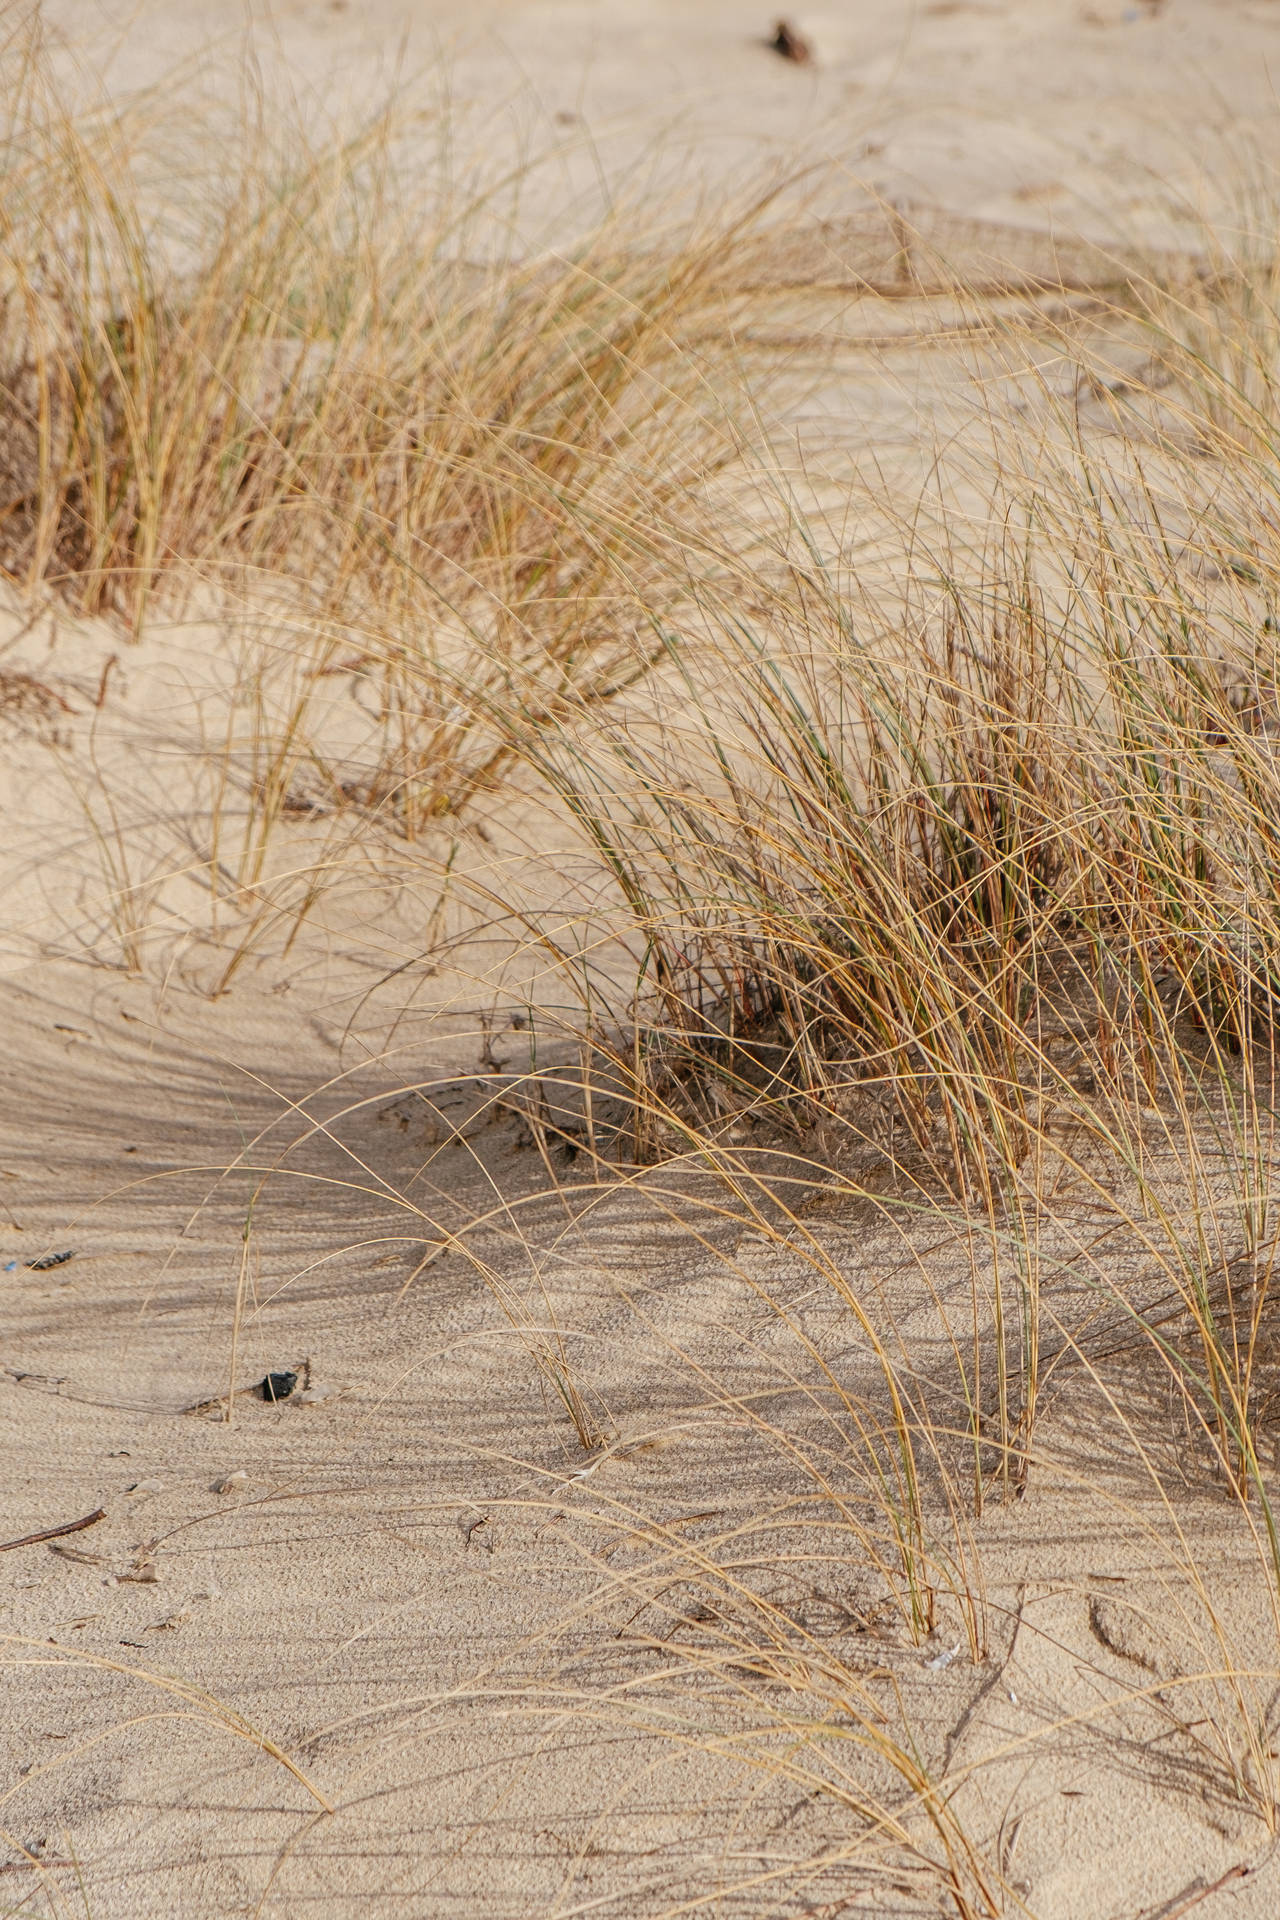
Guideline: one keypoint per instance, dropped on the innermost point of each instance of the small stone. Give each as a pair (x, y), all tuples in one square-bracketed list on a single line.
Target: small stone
[(146, 1486), (278, 1386), (171, 1622), (143, 1571), (231, 1481)]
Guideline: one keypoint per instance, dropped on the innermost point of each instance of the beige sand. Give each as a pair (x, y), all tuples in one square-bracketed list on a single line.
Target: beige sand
[(410, 1584)]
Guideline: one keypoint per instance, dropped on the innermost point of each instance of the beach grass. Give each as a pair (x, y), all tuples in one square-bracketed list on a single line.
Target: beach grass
[(936, 878)]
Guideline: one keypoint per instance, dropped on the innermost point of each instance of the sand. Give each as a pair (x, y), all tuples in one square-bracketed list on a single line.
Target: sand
[(410, 1578)]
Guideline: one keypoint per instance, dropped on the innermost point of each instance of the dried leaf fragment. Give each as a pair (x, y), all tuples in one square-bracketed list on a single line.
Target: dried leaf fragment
[(790, 44)]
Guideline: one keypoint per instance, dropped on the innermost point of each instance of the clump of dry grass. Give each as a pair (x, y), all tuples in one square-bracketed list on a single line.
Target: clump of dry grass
[(967, 891), (949, 879), (299, 381), (474, 473)]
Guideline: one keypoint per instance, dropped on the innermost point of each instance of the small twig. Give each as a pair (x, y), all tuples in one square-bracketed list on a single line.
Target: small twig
[(218, 1400), (469, 1527), (54, 1533), (113, 661), (1239, 1872)]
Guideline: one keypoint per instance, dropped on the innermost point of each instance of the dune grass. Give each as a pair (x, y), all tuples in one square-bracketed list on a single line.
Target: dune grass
[(468, 475), (947, 886)]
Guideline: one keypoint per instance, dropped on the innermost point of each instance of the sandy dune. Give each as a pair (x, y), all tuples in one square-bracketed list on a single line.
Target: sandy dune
[(412, 1586), (416, 1584)]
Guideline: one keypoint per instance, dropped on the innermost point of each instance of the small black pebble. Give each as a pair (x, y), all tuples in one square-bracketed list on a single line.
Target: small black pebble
[(278, 1386), (49, 1260)]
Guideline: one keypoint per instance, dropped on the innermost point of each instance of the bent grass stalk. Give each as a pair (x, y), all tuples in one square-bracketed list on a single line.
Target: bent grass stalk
[(196, 1704)]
